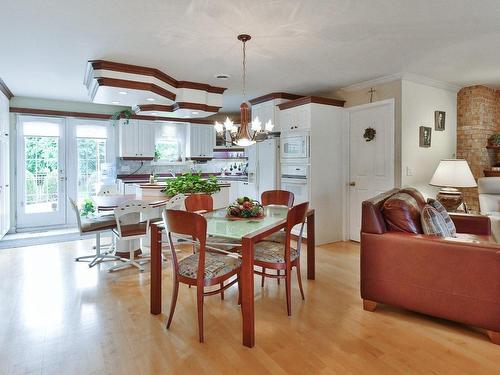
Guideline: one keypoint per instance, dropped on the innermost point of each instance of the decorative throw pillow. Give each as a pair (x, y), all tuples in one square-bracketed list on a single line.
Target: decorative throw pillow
[(402, 213), (446, 216), (433, 223)]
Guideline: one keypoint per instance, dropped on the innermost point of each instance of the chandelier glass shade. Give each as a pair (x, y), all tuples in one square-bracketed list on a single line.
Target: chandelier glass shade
[(243, 136)]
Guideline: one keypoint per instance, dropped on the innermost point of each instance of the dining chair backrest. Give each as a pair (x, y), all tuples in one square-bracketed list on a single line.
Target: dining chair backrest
[(74, 206), (131, 211), (188, 224), (278, 197), (174, 203), (199, 202), (295, 216)]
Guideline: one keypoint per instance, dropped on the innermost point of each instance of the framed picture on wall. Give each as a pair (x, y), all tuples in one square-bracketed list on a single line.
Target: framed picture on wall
[(425, 136), (439, 120)]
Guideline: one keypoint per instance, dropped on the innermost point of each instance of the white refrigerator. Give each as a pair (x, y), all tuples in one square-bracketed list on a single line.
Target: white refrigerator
[(263, 167)]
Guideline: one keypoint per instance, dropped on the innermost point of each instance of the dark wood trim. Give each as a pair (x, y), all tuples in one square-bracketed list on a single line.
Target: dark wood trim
[(176, 106), (136, 69), (5, 90), (311, 99), (134, 85), (274, 95), (156, 107), (137, 158), (49, 112)]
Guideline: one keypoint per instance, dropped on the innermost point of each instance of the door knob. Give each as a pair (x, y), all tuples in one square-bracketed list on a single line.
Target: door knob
[(352, 183)]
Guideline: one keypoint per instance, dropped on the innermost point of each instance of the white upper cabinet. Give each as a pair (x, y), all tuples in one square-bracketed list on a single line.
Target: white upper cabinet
[(267, 111), (200, 141), (296, 118), (136, 139)]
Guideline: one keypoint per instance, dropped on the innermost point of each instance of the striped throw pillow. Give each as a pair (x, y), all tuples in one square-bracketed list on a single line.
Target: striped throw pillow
[(447, 219), (433, 223)]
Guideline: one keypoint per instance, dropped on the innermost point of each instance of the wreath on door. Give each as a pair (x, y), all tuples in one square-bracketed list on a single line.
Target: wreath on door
[(369, 134)]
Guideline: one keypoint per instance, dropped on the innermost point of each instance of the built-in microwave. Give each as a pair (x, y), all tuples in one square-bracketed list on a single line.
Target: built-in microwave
[(294, 145)]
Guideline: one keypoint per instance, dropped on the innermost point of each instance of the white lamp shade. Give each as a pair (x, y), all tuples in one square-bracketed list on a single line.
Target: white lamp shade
[(453, 173)]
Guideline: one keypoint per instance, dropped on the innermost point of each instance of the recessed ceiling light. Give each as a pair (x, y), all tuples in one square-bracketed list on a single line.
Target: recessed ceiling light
[(154, 113), (194, 112), (122, 92), (222, 76), (187, 116), (115, 102), (150, 99)]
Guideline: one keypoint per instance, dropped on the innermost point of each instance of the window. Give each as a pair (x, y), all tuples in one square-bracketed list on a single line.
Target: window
[(169, 140), (91, 149)]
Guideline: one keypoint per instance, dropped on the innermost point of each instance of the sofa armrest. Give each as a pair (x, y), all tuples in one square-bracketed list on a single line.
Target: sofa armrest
[(472, 224)]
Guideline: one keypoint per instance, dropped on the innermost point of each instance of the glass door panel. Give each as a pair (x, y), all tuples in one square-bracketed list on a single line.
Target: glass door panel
[(41, 172)]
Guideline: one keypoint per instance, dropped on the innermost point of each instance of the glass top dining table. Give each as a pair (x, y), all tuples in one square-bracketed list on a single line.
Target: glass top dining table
[(249, 231), (220, 225)]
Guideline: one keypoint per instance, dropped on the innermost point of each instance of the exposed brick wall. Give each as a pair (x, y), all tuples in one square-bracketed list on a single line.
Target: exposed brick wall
[(478, 117)]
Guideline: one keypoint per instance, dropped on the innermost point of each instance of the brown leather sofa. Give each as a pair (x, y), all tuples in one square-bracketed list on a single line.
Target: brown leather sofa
[(456, 279)]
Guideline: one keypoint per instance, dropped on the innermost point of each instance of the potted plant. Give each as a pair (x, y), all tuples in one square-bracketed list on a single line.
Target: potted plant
[(88, 208), (494, 139), (126, 114), (191, 183)]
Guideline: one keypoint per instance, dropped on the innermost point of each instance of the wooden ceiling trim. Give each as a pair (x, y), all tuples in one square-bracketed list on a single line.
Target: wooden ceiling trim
[(274, 95), (49, 112), (135, 85), (311, 99), (136, 69), (6, 91)]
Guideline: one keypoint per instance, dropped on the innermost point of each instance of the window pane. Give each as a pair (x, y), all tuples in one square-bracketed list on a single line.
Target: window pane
[(91, 154)]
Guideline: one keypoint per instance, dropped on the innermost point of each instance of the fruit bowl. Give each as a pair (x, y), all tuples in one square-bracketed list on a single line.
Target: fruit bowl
[(245, 207)]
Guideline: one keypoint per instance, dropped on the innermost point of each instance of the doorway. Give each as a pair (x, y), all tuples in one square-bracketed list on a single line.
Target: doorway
[(41, 172), (371, 162)]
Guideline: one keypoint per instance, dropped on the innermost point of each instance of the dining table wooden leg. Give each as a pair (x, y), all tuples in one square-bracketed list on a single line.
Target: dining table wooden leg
[(247, 292), (155, 286), (311, 248)]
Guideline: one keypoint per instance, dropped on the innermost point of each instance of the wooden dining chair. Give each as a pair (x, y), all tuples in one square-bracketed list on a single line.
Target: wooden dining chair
[(201, 269), (280, 198), (277, 197), (282, 256)]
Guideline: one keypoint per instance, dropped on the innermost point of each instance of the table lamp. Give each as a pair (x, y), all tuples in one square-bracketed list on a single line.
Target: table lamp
[(449, 175)]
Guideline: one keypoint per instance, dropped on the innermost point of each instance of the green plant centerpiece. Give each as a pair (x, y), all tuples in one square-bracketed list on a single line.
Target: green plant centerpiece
[(245, 207), (191, 183), (88, 208), (495, 139)]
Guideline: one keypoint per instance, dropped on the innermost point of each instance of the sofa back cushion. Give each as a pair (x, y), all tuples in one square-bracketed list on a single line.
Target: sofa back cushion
[(446, 216), (402, 213), (433, 222)]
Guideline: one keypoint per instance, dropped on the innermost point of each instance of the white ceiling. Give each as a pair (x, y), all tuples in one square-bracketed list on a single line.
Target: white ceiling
[(302, 47)]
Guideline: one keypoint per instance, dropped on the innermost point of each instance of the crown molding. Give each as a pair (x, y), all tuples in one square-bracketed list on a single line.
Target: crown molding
[(6, 91), (311, 99), (402, 77)]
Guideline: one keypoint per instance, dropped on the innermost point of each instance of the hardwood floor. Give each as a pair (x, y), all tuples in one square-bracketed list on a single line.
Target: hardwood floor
[(59, 317)]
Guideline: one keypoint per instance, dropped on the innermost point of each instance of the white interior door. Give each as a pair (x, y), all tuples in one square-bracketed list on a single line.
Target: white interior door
[(371, 164), (41, 174)]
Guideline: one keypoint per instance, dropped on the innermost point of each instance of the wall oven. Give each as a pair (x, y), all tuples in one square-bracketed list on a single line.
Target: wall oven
[(295, 178), (294, 145)]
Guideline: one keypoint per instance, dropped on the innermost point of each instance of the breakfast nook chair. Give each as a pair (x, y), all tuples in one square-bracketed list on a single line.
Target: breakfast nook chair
[(201, 269), (95, 225), (282, 256), (130, 227)]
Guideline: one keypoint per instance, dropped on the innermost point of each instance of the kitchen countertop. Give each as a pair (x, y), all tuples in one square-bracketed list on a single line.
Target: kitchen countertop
[(144, 178)]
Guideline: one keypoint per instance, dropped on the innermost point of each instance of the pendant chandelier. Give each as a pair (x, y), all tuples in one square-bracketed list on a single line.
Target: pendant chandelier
[(241, 136)]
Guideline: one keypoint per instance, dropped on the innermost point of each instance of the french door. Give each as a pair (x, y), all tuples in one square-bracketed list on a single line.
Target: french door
[(41, 173)]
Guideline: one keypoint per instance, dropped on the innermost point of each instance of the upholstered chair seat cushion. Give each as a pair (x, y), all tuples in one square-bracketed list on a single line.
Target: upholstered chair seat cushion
[(402, 213), (446, 216), (273, 252), (98, 223), (278, 237), (433, 223), (216, 265)]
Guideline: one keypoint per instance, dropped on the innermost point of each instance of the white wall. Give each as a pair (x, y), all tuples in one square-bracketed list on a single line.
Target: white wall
[(419, 102)]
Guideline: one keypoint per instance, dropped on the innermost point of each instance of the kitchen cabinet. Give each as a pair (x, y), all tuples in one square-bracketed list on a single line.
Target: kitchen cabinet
[(200, 141), (136, 139), (247, 189), (267, 111), (296, 118)]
